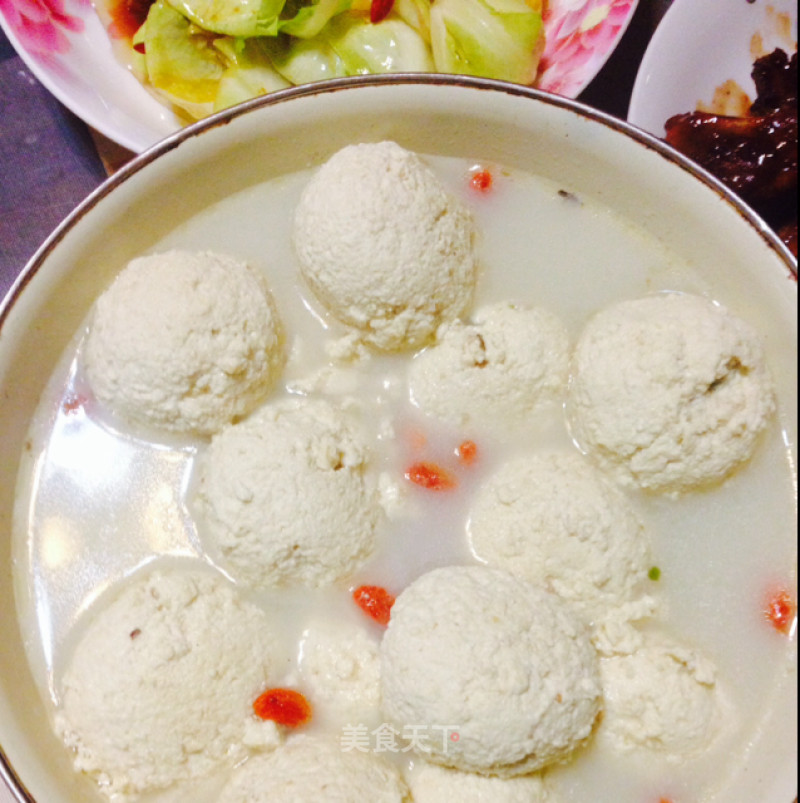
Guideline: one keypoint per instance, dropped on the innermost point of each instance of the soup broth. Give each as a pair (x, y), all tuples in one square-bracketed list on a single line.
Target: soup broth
[(104, 499)]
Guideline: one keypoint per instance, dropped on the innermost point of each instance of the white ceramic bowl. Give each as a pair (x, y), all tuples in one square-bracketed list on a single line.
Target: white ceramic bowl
[(592, 155), (701, 44)]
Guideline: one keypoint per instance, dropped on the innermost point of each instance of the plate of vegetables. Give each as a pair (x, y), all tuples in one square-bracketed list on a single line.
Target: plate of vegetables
[(138, 70)]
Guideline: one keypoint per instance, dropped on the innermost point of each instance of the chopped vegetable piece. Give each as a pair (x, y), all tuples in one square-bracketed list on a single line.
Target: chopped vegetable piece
[(375, 601), (780, 610), (431, 476), (492, 38), (284, 706), (180, 60), (249, 72), (481, 181), (467, 451), (654, 573), (367, 49)]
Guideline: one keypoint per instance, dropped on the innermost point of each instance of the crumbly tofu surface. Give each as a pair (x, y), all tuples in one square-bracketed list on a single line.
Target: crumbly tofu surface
[(384, 246), (662, 697), (502, 668), (432, 783), (284, 497), (340, 663), (495, 370), (670, 392), (184, 341), (160, 686), (314, 769), (553, 519)]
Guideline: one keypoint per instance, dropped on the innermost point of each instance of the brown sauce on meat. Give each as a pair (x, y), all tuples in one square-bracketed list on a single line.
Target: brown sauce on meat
[(755, 153)]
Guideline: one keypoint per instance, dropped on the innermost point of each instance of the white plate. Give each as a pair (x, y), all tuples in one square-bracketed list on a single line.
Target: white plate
[(699, 45), (66, 47), (706, 241)]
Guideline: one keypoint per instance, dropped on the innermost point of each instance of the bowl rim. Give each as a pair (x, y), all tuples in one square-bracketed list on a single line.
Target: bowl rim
[(350, 83), (7, 772)]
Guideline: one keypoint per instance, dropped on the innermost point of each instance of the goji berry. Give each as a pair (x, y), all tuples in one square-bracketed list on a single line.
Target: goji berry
[(375, 601), (284, 706)]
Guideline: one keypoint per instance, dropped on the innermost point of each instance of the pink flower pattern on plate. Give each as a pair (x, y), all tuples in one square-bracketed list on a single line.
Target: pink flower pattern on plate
[(580, 36), (41, 25)]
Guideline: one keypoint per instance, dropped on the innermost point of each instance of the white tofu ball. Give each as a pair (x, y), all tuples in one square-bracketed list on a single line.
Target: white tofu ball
[(432, 783), (663, 697), (340, 666), (160, 685), (499, 675), (497, 369), (553, 519), (313, 769), (383, 246), (669, 392), (285, 498), (185, 342)]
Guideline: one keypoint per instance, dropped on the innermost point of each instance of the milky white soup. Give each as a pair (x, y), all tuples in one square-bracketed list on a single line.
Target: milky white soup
[(99, 500)]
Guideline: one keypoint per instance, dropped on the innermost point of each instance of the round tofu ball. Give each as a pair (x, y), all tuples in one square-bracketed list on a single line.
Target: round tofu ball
[(383, 246), (497, 369), (431, 783), (160, 685), (669, 392), (553, 519), (313, 769), (490, 673), (183, 341), (285, 496), (662, 697), (340, 665)]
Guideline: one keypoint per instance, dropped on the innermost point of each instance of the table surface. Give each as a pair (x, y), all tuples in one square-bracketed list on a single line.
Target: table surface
[(50, 160)]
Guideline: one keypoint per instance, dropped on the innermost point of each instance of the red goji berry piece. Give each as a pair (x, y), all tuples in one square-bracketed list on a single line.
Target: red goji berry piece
[(375, 601), (780, 610), (431, 476), (467, 452), (284, 706), (481, 181)]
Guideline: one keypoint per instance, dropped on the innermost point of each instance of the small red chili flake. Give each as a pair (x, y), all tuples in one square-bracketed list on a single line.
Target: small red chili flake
[(780, 610), (379, 9), (481, 181), (375, 601), (430, 476), (72, 403), (467, 452), (284, 706)]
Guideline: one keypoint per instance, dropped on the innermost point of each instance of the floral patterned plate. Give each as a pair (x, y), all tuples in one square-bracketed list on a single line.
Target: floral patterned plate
[(66, 46)]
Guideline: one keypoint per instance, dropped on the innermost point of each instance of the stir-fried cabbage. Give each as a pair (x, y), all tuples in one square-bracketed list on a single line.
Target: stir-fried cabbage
[(205, 55), (492, 38)]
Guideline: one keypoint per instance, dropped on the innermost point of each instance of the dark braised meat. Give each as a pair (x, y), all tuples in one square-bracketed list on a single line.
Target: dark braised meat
[(775, 77), (755, 155)]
